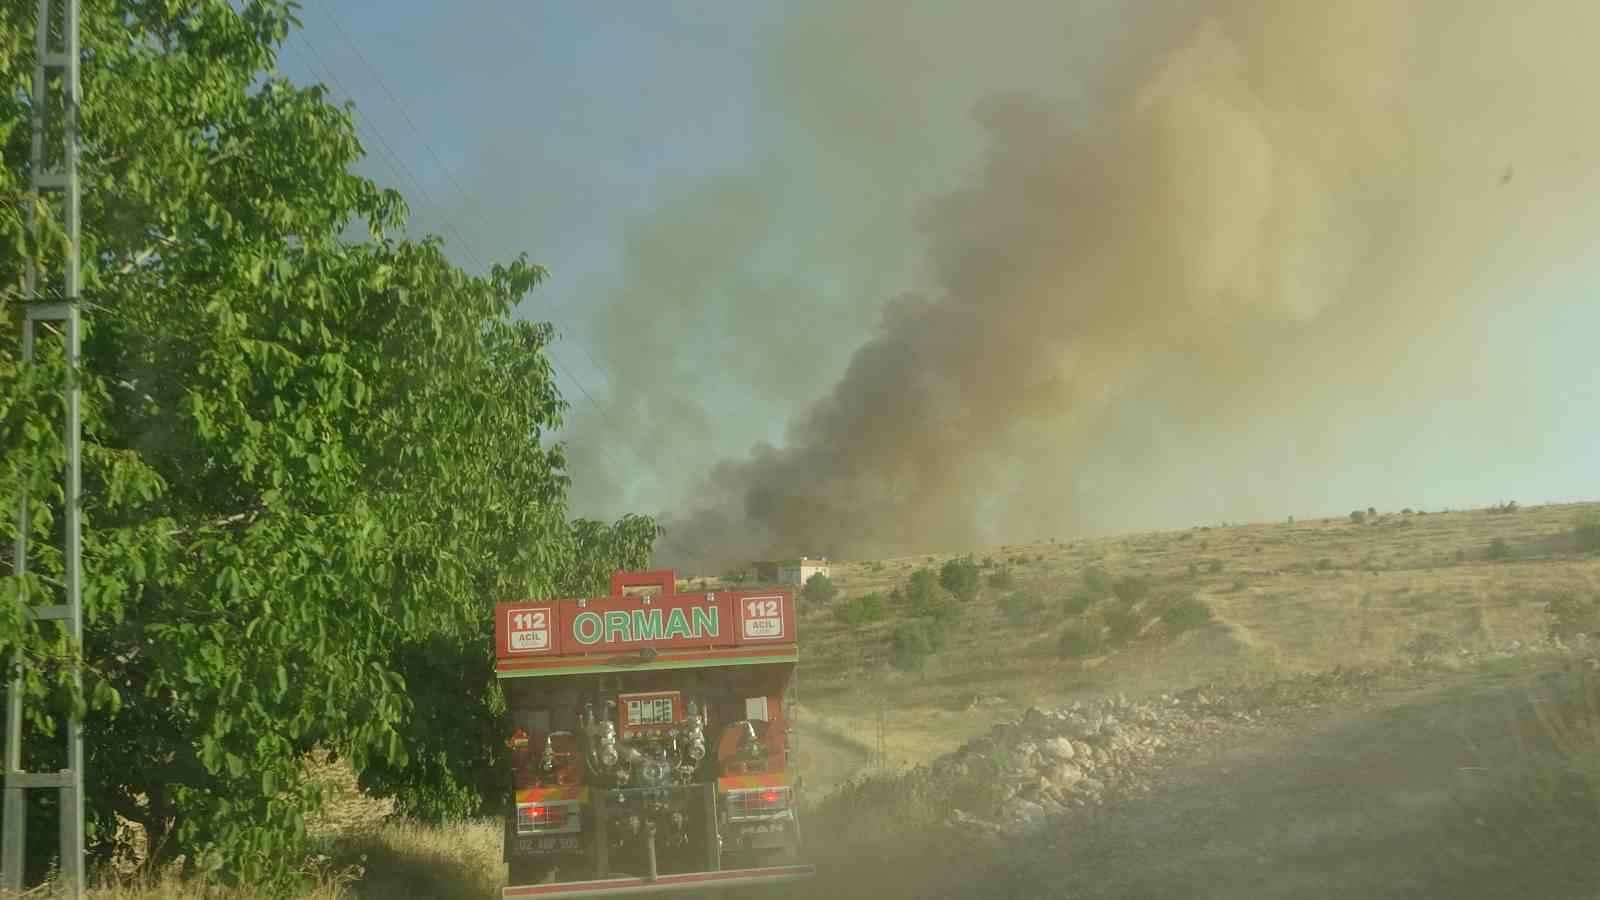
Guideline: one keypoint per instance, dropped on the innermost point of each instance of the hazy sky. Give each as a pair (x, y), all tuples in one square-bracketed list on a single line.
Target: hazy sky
[(1228, 261)]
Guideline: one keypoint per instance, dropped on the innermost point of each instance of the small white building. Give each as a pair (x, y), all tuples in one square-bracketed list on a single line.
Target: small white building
[(799, 571)]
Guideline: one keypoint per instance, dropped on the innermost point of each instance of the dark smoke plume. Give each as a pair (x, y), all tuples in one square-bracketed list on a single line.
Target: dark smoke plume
[(1225, 251)]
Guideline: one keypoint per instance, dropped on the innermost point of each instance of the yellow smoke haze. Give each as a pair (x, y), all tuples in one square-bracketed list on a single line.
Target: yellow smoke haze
[(1263, 232)]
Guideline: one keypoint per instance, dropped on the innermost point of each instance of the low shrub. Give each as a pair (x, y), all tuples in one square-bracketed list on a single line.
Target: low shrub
[(1572, 614), (959, 576), (1131, 588), (860, 610), (910, 646), (1076, 603), (1081, 639), (1186, 613), (1002, 579), (1020, 606), (819, 590), (1097, 581)]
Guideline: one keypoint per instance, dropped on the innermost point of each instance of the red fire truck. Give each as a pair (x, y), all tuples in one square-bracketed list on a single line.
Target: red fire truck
[(652, 740)]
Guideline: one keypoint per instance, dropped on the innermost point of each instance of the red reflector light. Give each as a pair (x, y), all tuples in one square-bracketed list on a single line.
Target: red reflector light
[(540, 818), (770, 797)]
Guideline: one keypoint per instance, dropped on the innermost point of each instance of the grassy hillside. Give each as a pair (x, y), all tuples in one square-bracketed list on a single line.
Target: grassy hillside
[(1286, 597)]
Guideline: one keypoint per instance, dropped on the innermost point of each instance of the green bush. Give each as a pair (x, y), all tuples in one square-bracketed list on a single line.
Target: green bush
[(913, 642), (921, 588), (959, 576), (819, 590), (1131, 588), (1186, 613), (1358, 516), (910, 647), (1499, 549), (1002, 579), (1077, 603), (1020, 606), (1081, 639), (1214, 566), (860, 610), (926, 599), (1097, 581)]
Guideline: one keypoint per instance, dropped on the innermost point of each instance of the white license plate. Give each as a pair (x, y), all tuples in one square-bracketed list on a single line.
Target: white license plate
[(553, 844)]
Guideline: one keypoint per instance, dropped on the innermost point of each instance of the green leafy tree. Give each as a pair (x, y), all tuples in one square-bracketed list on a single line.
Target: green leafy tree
[(913, 642), (311, 465), (926, 598), (860, 610), (961, 577), (819, 589)]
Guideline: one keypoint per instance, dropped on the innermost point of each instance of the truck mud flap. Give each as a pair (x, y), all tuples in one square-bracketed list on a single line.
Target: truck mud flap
[(687, 881)]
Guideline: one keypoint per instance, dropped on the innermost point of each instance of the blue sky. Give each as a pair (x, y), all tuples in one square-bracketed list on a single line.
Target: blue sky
[(440, 87), (571, 130)]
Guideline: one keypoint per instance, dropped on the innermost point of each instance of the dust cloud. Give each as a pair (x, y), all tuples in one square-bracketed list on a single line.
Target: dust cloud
[(1209, 257)]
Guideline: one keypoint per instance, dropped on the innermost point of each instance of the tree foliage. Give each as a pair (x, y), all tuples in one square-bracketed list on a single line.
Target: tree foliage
[(912, 642), (926, 599), (311, 464), (860, 610), (960, 576), (819, 590)]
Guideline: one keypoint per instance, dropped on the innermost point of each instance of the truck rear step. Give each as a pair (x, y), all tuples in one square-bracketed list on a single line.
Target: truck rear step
[(687, 881)]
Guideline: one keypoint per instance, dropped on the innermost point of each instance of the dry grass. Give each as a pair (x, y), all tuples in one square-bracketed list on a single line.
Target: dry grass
[(387, 860), (1289, 598)]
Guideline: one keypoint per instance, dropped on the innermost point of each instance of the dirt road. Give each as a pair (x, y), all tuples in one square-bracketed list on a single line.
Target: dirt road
[(1417, 794)]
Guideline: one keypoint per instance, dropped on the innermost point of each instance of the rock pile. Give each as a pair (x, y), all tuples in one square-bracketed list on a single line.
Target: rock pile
[(1050, 761)]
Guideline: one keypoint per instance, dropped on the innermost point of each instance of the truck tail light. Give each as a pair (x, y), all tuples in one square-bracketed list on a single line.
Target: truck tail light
[(539, 818), (757, 803)]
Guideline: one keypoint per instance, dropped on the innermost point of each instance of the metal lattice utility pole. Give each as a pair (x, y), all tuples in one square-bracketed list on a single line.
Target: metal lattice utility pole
[(55, 92)]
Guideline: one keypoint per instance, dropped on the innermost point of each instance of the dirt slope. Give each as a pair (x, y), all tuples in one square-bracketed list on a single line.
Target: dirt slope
[(1395, 800), (1412, 794)]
